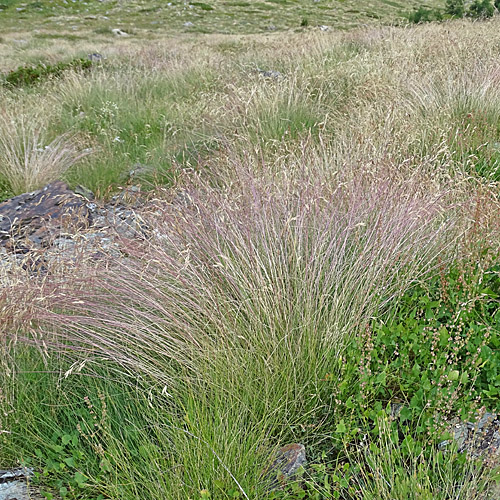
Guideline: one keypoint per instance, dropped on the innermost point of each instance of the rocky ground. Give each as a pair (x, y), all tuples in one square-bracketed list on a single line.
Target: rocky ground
[(14, 485), (55, 225)]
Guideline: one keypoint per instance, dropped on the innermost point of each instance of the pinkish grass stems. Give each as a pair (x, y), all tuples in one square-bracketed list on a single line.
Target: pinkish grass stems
[(245, 300)]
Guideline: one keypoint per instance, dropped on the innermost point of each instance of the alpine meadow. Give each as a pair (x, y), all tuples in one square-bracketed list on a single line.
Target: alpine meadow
[(249, 250)]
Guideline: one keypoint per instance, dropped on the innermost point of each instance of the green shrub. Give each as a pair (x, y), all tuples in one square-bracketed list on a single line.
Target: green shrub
[(32, 75), (455, 8), (424, 15), (481, 9)]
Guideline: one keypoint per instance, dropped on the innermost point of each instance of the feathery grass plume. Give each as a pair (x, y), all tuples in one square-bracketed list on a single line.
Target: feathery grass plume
[(247, 297), (28, 158)]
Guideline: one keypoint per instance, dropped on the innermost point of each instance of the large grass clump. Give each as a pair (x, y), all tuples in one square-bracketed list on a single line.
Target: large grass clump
[(29, 159), (243, 303)]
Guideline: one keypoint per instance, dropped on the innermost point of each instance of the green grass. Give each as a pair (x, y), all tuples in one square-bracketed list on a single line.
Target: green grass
[(90, 435), (213, 16), (83, 439), (127, 132)]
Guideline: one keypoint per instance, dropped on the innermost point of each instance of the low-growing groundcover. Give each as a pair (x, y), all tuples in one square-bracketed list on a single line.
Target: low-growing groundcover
[(31, 75)]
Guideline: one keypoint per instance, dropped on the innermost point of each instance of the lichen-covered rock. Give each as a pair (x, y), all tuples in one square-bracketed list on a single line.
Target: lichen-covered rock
[(32, 218), (56, 226), (478, 439)]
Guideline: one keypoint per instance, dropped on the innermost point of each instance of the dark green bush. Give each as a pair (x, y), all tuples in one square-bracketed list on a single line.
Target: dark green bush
[(481, 9), (455, 8), (32, 75), (424, 15)]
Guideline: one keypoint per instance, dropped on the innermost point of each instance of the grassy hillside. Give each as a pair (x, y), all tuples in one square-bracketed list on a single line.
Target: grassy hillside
[(83, 19), (321, 263)]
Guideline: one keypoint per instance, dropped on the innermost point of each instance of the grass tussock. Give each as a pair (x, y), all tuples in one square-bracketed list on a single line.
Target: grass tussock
[(246, 298), (28, 158)]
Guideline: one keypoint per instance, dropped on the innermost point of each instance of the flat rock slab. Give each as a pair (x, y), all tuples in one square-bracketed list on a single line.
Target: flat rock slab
[(14, 490), (13, 485), (33, 215), (18, 490)]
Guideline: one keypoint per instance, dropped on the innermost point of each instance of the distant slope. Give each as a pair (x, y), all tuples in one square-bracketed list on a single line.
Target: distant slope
[(209, 16)]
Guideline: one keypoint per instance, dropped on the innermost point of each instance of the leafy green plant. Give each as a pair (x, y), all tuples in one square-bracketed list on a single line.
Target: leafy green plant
[(59, 466), (424, 15), (437, 357), (32, 75), (481, 9), (455, 8)]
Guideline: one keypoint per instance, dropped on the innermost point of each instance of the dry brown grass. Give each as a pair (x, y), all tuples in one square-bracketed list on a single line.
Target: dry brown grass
[(28, 158)]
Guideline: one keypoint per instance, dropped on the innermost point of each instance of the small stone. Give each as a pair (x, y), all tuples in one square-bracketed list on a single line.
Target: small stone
[(20, 473), (40, 213), (285, 465), (270, 73), (396, 409), (14, 490), (119, 32), (95, 57), (460, 435), (481, 438), (486, 420)]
